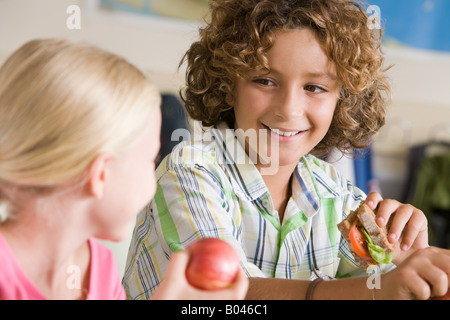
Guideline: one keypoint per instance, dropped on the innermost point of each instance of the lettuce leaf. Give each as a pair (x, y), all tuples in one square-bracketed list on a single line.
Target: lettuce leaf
[(376, 252)]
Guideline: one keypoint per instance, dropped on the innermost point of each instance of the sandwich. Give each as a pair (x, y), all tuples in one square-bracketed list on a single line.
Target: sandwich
[(368, 242)]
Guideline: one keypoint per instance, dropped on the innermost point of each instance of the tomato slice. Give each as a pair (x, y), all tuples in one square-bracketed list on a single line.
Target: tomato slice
[(359, 242)]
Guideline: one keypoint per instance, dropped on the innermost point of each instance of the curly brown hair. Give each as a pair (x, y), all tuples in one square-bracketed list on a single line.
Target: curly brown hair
[(240, 33)]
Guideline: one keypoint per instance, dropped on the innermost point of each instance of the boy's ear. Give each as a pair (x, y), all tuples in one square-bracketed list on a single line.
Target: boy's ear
[(98, 173), (229, 99)]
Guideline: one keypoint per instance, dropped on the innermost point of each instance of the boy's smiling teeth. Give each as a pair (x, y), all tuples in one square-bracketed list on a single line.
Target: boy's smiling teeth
[(282, 133)]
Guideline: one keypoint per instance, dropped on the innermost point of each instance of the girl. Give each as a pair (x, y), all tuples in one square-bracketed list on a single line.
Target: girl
[(79, 133), (302, 77)]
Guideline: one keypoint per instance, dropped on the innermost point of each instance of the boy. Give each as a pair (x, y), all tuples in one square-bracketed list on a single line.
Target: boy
[(302, 77)]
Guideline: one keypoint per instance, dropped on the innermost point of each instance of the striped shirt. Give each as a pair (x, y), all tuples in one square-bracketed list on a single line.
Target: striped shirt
[(209, 188)]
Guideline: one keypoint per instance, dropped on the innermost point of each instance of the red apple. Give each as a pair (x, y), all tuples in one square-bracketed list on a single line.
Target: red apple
[(213, 264), (446, 297)]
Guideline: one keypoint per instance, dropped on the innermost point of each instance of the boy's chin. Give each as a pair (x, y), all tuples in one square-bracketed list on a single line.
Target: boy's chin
[(272, 166)]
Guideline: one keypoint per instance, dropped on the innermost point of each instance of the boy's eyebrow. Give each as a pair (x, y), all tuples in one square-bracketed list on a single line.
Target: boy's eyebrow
[(316, 75), (328, 75)]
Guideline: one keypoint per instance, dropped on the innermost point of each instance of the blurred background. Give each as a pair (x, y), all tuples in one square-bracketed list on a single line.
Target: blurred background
[(409, 160)]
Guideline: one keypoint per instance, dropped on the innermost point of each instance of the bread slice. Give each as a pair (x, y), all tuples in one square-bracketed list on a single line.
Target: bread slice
[(378, 235)]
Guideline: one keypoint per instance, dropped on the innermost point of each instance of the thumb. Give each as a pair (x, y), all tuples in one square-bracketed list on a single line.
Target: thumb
[(178, 263)]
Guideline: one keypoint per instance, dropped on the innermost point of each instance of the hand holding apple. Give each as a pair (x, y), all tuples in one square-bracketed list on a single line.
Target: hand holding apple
[(175, 286), (214, 264)]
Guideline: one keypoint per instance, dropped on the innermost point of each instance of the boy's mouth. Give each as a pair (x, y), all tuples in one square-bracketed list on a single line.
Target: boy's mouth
[(283, 132)]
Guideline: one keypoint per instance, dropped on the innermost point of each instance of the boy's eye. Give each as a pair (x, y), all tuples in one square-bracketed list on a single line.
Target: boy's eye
[(314, 89), (264, 82)]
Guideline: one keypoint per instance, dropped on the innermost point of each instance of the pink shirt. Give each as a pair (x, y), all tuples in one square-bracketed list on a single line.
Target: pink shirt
[(104, 283)]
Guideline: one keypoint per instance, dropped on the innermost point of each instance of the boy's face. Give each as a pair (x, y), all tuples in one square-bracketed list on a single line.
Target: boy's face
[(291, 108)]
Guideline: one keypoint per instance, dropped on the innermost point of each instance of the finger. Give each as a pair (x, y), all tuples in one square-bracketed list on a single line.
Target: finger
[(440, 258), (178, 263), (417, 224), (403, 216), (174, 285), (420, 288), (384, 211), (240, 285), (373, 199), (438, 280)]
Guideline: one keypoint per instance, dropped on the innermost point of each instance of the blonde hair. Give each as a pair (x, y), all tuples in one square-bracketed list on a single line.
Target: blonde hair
[(61, 104)]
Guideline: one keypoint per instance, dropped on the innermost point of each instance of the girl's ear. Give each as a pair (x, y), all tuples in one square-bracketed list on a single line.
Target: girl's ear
[(98, 174)]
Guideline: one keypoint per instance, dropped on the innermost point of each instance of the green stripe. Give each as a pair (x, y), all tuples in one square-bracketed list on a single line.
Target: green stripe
[(168, 227), (311, 175), (293, 223), (275, 221), (331, 220)]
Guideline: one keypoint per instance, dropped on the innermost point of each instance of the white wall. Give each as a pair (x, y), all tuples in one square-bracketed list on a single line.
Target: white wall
[(155, 45), (420, 79)]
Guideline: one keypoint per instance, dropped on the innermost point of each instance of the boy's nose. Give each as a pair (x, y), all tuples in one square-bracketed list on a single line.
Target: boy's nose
[(290, 104)]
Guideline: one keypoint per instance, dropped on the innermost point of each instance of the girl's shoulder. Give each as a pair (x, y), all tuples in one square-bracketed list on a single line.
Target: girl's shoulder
[(14, 283)]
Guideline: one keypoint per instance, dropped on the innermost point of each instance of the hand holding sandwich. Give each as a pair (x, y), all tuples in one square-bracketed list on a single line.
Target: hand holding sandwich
[(408, 226), (380, 230)]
